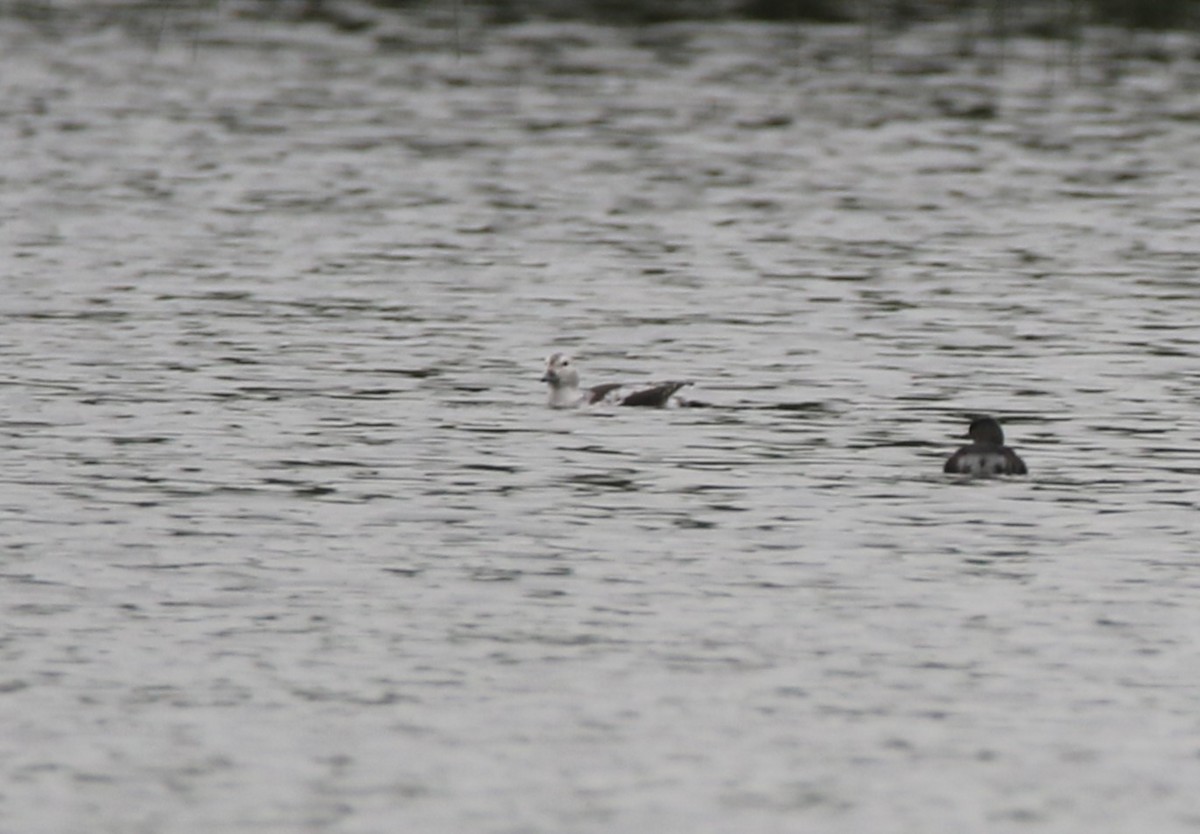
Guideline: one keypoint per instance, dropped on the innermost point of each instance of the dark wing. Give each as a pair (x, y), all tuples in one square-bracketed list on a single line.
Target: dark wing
[(599, 392), (655, 396), (1016, 466), (952, 462)]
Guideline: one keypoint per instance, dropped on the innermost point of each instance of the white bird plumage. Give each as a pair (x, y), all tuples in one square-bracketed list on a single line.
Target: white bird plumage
[(563, 379)]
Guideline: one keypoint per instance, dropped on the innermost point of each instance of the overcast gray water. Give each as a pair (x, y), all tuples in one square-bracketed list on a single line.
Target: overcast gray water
[(291, 543)]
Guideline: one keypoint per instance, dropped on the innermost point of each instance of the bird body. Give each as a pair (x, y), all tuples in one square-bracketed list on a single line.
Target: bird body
[(987, 454), (563, 379)]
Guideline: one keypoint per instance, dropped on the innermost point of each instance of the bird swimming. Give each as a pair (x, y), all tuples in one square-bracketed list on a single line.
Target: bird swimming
[(563, 379), (987, 454)]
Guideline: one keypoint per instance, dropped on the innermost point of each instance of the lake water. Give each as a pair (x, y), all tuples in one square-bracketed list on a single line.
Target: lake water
[(291, 542)]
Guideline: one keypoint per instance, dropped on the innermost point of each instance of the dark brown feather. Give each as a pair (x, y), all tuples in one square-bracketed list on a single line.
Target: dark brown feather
[(653, 396)]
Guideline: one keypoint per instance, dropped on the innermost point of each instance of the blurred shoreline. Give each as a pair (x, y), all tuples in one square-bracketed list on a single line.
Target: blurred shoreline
[(1057, 18)]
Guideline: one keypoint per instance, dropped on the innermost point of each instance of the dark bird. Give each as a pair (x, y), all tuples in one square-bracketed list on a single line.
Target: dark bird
[(987, 454)]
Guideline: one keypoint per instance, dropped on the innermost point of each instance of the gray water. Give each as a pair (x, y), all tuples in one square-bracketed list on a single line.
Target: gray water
[(291, 543)]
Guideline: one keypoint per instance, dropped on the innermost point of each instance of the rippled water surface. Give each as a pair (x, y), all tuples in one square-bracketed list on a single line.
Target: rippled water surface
[(291, 543)]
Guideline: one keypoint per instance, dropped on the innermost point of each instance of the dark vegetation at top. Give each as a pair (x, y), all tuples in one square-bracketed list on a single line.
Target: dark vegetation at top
[(995, 18), (1140, 14)]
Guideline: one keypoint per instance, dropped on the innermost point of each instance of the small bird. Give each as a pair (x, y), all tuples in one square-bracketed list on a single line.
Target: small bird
[(563, 379), (987, 455)]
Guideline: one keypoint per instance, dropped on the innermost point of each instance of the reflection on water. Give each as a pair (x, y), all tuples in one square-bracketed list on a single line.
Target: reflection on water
[(292, 542)]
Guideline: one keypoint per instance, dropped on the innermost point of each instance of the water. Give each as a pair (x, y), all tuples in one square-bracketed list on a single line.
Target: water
[(291, 543)]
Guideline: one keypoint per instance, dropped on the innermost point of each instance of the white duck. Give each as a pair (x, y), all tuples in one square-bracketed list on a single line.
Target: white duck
[(563, 379)]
